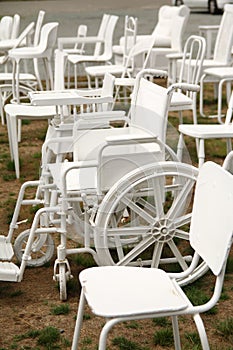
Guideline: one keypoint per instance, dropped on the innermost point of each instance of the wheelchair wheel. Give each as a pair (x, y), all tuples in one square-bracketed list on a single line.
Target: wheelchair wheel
[(144, 218), (42, 248)]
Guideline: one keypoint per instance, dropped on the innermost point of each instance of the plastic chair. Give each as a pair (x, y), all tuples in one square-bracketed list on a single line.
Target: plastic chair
[(204, 132), (28, 81), (159, 54), (103, 43), (162, 32), (16, 112), (150, 293), (44, 50), (190, 68)]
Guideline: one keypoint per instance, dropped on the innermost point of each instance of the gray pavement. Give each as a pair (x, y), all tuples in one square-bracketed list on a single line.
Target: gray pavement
[(71, 13)]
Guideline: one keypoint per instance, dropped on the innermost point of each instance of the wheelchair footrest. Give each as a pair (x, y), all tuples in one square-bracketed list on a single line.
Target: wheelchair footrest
[(9, 272), (6, 249)]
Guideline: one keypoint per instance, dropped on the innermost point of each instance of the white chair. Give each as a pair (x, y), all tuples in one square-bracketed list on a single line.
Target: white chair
[(44, 51), (222, 57), (127, 41), (103, 44), (151, 293), (159, 54), (9, 28), (16, 112), (162, 32), (27, 81), (189, 70), (204, 132)]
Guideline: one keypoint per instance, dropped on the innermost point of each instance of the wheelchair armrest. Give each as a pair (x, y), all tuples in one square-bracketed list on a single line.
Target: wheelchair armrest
[(129, 139), (184, 86)]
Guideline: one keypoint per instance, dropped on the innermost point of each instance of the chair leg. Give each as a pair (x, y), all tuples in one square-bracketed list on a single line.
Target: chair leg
[(180, 147), (75, 76), (9, 131), (105, 330), (12, 120), (79, 320), (176, 333), (201, 331), (201, 152), (180, 114)]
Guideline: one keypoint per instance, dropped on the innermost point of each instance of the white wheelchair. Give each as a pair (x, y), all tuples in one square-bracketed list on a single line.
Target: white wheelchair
[(125, 192)]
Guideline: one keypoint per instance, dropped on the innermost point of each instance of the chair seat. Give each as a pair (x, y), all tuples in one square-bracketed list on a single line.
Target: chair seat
[(99, 71), (30, 111), (180, 100), (207, 131), (115, 291), (124, 81), (220, 72), (28, 52), (77, 179), (22, 76)]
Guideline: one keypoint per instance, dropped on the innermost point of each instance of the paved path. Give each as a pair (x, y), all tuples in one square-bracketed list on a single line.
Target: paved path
[(70, 13)]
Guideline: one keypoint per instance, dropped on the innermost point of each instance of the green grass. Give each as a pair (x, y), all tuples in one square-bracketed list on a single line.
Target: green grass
[(164, 337), (124, 344), (48, 338), (225, 328), (62, 309)]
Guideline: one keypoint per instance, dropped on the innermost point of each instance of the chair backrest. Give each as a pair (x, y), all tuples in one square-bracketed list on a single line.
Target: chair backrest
[(190, 67), (101, 33), (108, 39), (130, 33), (149, 119), (193, 56), (48, 37), (170, 18), (143, 46), (15, 26), (149, 106), (224, 39), (6, 23), (39, 23), (81, 33), (212, 220), (60, 58)]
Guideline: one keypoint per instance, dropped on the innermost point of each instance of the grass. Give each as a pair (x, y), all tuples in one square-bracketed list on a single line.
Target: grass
[(49, 338), (163, 337), (62, 309), (124, 344), (225, 328)]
